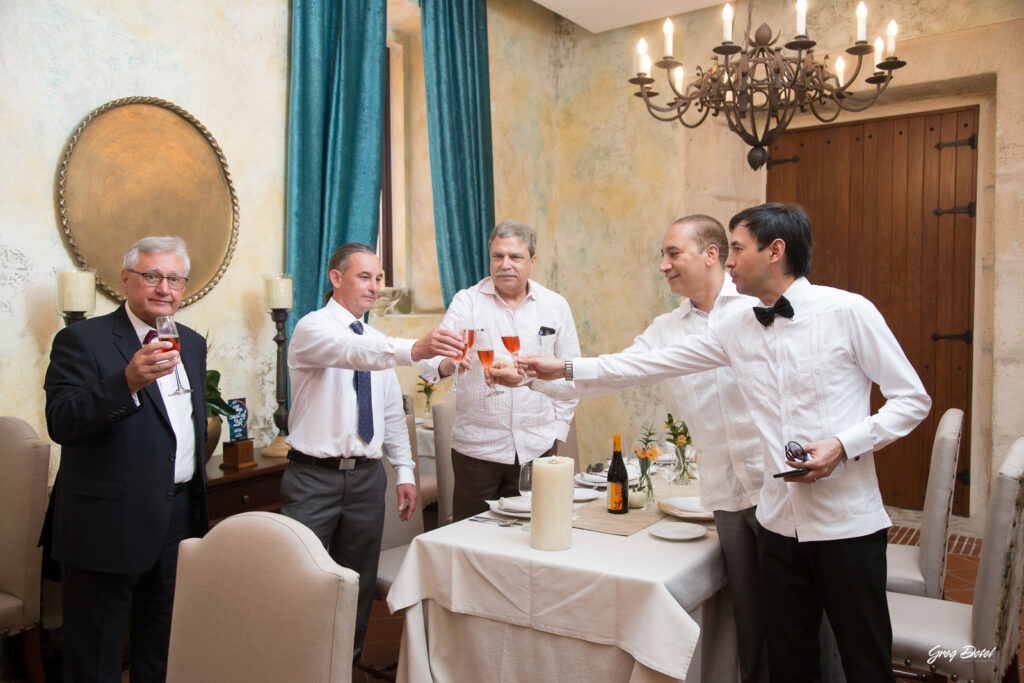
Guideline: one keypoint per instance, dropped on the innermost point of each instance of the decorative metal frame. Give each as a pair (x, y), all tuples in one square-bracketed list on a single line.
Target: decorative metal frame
[(760, 88), (67, 216)]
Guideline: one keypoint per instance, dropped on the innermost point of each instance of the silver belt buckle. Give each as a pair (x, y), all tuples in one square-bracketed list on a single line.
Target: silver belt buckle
[(346, 464)]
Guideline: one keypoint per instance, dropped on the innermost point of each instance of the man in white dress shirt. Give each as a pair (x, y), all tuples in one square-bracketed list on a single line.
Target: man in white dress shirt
[(346, 407), (805, 364), (494, 435)]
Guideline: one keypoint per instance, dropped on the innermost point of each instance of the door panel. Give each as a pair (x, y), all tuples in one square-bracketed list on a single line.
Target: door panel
[(870, 189)]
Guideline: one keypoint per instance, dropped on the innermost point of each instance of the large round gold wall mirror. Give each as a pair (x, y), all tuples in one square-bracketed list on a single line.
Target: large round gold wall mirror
[(142, 166)]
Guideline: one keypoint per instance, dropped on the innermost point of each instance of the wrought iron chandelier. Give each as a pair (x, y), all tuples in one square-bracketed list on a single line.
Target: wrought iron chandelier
[(758, 88)]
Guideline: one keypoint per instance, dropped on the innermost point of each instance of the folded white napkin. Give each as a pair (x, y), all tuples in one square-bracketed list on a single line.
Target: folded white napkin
[(515, 504), (594, 478)]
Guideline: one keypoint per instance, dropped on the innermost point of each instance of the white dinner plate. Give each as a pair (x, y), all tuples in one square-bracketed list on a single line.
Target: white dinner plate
[(599, 481), (582, 495), (678, 531), (685, 507), (496, 508), (420, 420)]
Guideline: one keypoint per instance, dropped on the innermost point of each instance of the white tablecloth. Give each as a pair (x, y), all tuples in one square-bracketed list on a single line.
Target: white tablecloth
[(480, 595)]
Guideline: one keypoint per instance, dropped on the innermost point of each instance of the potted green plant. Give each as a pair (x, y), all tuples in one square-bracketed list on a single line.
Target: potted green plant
[(215, 407)]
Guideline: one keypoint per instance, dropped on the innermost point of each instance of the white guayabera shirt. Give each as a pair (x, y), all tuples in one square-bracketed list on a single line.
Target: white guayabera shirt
[(803, 379)]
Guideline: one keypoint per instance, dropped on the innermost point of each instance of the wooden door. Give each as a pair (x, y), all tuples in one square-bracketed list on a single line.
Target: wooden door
[(871, 190)]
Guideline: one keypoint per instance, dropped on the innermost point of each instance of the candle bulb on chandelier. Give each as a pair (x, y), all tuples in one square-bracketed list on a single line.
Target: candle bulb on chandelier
[(667, 29), (840, 71), (891, 31), (641, 50), (677, 73), (879, 48), (801, 17), (645, 64), (727, 23), (862, 21)]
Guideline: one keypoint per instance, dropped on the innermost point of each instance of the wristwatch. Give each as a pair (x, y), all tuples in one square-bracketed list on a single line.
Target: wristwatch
[(568, 369)]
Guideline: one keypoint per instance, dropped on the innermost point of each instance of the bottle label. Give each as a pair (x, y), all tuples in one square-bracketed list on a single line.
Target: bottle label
[(616, 497)]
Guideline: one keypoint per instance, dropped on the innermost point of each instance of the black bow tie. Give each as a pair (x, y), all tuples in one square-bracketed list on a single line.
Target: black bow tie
[(766, 316)]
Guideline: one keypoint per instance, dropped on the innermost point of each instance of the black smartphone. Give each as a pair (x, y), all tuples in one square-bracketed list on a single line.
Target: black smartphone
[(794, 451)]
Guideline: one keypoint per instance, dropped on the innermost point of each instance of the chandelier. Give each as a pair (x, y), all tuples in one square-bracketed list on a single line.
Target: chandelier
[(758, 87)]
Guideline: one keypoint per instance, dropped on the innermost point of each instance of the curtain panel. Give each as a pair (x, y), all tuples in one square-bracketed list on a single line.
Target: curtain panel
[(459, 131), (335, 137)]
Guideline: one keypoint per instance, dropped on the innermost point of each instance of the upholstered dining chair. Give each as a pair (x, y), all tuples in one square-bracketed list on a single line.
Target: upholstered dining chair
[(426, 483), (24, 463), (921, 569), (977, 642), (397, 534), (444, 423), (259, 599)]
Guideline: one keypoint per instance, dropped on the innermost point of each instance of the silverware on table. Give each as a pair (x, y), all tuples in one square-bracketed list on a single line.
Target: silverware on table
[(493, 520)]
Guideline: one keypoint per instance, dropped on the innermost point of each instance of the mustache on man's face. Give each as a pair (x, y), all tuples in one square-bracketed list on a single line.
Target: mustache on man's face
[(507, 271)]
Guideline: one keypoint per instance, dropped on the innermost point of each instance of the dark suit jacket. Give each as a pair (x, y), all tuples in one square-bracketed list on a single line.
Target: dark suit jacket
[(114, 490)]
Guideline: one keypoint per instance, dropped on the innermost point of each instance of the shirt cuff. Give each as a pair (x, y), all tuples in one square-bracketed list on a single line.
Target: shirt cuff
[(856, 440), (135, 397), (585, 368), (561, 431), (403, 352), (403, 475)]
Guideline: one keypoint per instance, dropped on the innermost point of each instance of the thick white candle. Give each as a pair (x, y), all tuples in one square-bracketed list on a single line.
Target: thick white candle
[(862, 21), (891, 34), (279, 292), (551, 515), (667, 29), (801, 17), (727, 23), (76, 291)]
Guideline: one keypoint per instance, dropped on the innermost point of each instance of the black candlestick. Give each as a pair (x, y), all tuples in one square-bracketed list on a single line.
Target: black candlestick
[(279, 448), (71, 317)]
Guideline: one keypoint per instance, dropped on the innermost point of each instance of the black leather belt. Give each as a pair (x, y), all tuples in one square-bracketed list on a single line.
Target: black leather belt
[(178, 488), (330, 463)]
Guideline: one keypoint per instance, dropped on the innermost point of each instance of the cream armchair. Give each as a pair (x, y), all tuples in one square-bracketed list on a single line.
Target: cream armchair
[(259, 599), (444, 423), (974, 642), (921, 570), (24, 463)]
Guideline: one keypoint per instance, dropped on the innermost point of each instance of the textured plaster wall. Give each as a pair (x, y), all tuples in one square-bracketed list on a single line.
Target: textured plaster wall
[(225, 64), (575, 154)]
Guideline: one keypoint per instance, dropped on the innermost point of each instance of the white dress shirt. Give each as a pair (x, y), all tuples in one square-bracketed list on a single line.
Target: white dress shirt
[(803, 379), (179, 409), (496, 428), (324, 417), (723, 433)]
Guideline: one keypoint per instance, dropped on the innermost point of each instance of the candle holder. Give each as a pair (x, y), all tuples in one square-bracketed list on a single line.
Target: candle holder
[(279, 449), (76, 294)]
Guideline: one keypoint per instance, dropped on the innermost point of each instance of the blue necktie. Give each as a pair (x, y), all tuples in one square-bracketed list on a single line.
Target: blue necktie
[(364, 399)]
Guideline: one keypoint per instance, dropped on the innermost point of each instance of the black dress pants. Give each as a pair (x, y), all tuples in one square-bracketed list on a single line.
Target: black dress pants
[(845, 579), (99, 607)]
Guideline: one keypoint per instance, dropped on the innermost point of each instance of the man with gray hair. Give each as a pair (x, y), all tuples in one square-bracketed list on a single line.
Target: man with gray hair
[(495, 434), (131, 483)]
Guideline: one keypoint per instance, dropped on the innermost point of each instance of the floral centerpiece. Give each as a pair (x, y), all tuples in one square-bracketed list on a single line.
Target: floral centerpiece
[(679, 436), (427, 388), (647, 452)]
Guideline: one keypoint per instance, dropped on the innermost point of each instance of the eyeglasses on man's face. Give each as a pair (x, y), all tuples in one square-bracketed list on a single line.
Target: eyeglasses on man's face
[(153, 279)]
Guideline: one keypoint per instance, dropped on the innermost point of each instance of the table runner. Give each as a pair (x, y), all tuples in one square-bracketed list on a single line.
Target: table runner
[(594, 516)]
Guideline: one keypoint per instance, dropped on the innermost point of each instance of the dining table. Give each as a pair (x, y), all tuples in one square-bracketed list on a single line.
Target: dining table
[(481, 604)]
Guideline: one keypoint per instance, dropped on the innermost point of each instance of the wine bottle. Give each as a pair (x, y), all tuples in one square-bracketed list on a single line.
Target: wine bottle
[(618, 480)]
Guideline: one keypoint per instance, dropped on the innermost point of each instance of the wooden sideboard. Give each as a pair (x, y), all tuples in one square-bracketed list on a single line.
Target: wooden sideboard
[(229, 492)]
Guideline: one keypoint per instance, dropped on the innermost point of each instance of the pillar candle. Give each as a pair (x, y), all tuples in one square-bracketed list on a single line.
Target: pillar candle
[(76, 291), (279, 292), (551, 515)]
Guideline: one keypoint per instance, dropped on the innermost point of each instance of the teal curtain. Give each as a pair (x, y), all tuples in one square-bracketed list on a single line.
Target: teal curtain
[(335, 137), (459, 130)]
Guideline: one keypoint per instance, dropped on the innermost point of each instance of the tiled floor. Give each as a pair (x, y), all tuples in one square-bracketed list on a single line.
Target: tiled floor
[(961, 568)]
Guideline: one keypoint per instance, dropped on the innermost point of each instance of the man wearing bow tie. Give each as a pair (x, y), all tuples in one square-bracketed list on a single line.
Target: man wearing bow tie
[(346, 408), (805, 363)]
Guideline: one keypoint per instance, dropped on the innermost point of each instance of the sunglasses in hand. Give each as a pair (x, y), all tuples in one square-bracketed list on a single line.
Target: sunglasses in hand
[(796, 453)]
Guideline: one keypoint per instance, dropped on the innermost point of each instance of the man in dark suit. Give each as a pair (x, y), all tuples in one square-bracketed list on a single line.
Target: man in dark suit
[(131, 483)]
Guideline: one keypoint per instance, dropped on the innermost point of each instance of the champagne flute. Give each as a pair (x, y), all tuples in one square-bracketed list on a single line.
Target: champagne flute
[(167, 331), (485, 349), (669, 471), (467, 342)]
